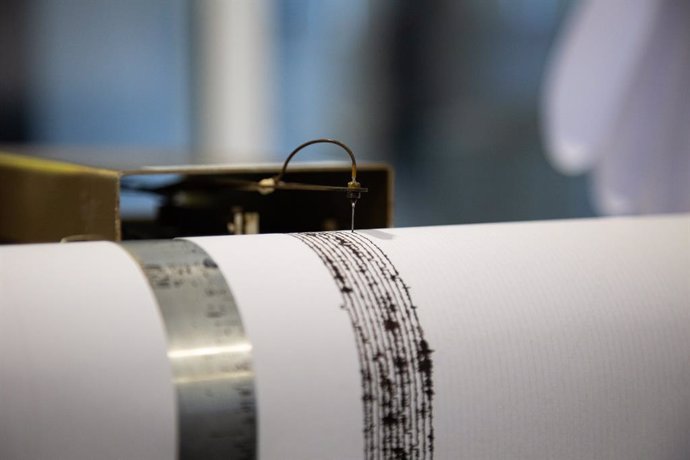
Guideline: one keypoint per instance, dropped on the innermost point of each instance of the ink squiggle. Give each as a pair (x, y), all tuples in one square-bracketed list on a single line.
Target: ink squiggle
[(395, 358)]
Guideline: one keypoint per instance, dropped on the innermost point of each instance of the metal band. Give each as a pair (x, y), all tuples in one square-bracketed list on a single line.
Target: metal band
[(208, 350)]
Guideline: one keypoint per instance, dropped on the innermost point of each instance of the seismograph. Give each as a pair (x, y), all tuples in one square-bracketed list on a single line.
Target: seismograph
[(395, 359)]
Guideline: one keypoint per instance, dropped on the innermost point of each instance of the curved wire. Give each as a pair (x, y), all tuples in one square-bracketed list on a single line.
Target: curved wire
[(279, 177)]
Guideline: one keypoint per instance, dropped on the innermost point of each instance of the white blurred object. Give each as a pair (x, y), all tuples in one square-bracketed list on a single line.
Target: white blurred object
[(233, 55), (617, 103)]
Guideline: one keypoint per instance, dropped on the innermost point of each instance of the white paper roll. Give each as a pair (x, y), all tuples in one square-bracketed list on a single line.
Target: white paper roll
[(563, 339)]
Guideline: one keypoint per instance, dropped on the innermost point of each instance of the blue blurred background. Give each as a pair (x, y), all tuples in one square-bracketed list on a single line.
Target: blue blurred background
[(446, 91)]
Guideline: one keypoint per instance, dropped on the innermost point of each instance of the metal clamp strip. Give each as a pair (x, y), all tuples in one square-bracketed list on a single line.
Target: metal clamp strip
[(209, 352)]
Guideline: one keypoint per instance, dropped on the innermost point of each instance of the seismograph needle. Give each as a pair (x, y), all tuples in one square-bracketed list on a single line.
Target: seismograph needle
[(352, 220)]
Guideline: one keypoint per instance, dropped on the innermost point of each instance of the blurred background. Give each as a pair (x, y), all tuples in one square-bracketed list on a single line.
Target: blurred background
[(447, 91)]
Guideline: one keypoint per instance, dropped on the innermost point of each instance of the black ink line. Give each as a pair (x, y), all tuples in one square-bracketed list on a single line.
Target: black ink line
[(395, 358)]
